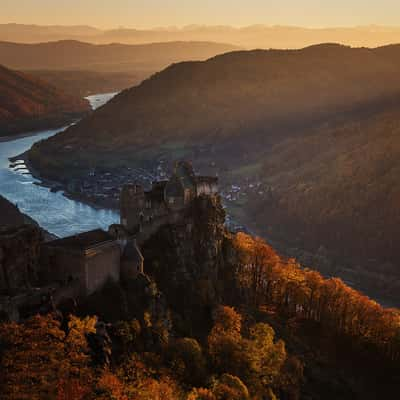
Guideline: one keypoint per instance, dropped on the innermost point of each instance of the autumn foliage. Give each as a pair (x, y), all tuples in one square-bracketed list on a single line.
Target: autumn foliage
[(41, 361), (269, 280), (239, 358)]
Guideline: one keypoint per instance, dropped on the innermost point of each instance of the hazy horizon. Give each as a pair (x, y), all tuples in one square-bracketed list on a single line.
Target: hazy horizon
[(183, 27), (153, 13), (246, 37)]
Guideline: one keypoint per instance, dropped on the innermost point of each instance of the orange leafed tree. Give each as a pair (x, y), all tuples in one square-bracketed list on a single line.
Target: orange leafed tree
[(41, 361), (270, 280)]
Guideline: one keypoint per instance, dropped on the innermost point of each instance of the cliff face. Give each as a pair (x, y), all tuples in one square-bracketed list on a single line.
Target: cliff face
[(188, 261)]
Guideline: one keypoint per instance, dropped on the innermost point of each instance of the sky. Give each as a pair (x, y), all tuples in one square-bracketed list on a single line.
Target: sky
[(155, 13)]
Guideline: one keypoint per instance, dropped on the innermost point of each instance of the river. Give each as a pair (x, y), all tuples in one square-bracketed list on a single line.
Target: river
[(53, 211)]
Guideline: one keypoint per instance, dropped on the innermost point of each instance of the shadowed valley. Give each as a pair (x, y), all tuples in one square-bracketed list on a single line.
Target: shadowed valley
[(316, 128)]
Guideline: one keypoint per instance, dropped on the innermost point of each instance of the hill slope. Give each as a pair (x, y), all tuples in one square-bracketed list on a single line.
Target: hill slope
[(318, 127), (10, 214), (335, 192), (265, 94), (27, 103)]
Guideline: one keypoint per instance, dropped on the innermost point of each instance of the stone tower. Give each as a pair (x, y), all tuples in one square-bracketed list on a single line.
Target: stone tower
[(133, 203), (184, 172)]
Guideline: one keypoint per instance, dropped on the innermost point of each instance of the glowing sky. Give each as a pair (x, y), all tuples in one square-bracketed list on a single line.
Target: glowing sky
[(152, 13)]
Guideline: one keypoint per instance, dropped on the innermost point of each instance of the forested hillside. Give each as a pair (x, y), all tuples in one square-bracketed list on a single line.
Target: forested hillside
[(27, 104), (240, 96)]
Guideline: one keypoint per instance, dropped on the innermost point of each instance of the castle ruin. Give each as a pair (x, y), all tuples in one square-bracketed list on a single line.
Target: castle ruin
[(80, 265), (143, 212)]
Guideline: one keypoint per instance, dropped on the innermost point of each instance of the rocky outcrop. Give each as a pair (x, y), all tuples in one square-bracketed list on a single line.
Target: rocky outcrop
[(188, 260), (19, 255)]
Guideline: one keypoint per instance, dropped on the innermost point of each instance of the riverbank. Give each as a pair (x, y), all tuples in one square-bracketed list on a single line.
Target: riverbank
[(57, 212), (35, 132), (95, 101), (56, 186)]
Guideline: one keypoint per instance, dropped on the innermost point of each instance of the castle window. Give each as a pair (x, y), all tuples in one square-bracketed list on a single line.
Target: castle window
[(148, 204)]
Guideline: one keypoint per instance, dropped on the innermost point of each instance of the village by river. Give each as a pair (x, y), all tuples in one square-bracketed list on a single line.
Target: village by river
[(66, 215)]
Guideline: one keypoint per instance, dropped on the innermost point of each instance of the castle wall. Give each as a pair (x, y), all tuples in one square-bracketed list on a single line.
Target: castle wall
[(62, 265), (91, 268), (131, 262), (176, 203), (102, 263), (70, 291), (129, 270), (155, 211), (206, 188), (151, 228), (189, 195), (132, 204)]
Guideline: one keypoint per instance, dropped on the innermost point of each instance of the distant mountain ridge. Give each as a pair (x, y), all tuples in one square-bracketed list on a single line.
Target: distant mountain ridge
[(76, 55), (25, 33), (27, 104), (256, 36)]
